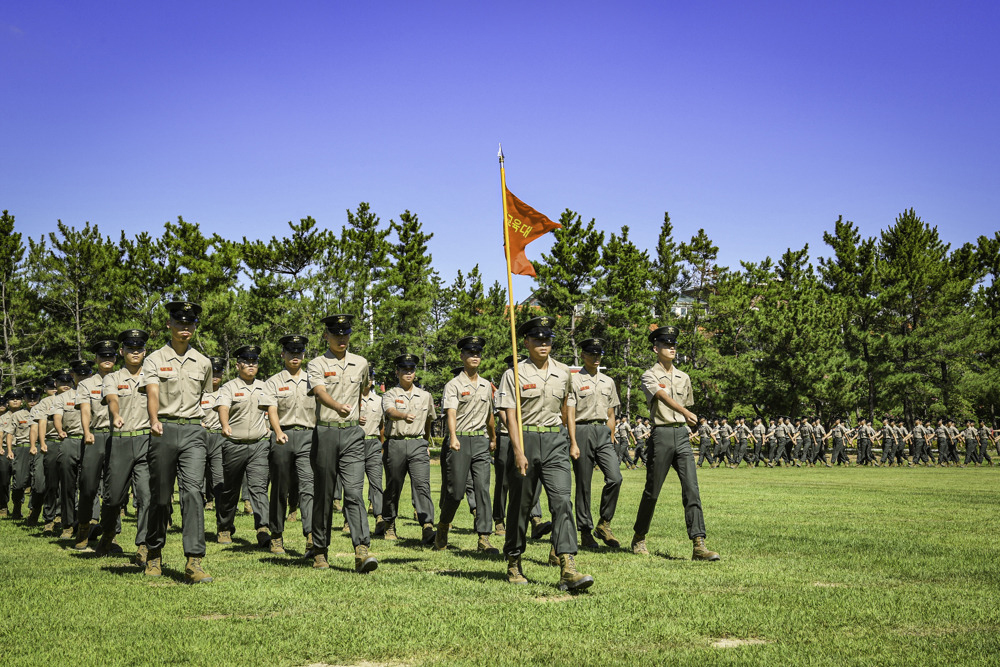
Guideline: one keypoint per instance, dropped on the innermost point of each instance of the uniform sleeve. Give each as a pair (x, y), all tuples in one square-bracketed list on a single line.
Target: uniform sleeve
[(225, 397), (110, 386), (207, 384), (387, 401), (314, 373), (266, 397), (650, 385), (450, 399), (688, 393), (431, 410), (149, 375), (82, 394), (615, 400), (571, 394), (506, 398)]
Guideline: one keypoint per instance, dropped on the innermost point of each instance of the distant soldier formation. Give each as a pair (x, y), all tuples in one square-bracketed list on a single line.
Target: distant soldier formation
[(163, 429)]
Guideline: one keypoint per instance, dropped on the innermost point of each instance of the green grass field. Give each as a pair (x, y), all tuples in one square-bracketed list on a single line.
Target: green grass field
[(856, 566)]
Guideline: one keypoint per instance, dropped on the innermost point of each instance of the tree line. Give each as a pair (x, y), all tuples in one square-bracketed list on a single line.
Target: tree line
[(898, 323)]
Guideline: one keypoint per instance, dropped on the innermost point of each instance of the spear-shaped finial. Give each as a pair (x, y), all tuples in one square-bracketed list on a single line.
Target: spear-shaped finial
[(500, 153)]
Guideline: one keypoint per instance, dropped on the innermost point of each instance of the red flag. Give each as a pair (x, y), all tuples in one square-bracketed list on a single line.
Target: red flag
[(524, 225)]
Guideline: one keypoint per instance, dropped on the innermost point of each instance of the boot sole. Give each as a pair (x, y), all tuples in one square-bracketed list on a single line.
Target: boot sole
[(192, 582), (368, 565), (583, 584), (706, 559)]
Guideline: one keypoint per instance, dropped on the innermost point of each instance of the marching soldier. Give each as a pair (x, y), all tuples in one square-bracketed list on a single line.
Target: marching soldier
[(371, 422), (902, 436), (625, 437), (740, 434), (838, 434), (409, 412), (725, 433), (127, 461), (779, 438), (51, 445), (17, 434), (542, 453), (920, 446), (470, 439), (502, 461), (242, 406), (941, 437), (985, 439), (173, 378), (338, 448), (96, 434), (888, 441), (641, 435), (953, 437), (801, 437), (292, 415), (820, 437), (70, 425), (590, 416), (6, 468), (970, 436), (37, 407), (706, 439), (213, 481), (759, 435), (668, 391)]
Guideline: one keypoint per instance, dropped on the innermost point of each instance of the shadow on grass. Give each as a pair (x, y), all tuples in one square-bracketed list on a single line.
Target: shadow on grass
[(123, 569), (496, 575)]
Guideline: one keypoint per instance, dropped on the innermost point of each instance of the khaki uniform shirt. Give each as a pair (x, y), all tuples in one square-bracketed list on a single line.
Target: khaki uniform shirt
[(19, 425), (953, 432), (182, 380), (984, 434), (501, 427), (342, 379), (471, 401), (839, 433), (704, 434), (676, 383), (416, 402), (867, 432), (246, 419), (593, 396), (819, 433), (65, 405), (742, 432), (92, 390), (42, 410), (131, 402), (969, 435), (725, 432), (941, 435), (210, 418), (920, 432), (758, 433), (291, 396), (900, 433), (371, 408), (805, 433), (543, 392)]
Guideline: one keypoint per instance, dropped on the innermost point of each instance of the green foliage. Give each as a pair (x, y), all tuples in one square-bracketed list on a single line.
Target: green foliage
[(901, 322)]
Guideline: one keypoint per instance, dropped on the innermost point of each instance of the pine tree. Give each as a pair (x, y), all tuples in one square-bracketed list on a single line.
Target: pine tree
[(626, 308), (666, 272), (566, 276), (21, 329)]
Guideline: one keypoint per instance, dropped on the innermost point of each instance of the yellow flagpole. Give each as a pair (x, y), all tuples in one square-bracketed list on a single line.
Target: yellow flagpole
[(510, 298)]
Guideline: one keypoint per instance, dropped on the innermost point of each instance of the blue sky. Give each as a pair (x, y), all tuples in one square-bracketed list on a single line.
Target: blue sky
[(761, 122)]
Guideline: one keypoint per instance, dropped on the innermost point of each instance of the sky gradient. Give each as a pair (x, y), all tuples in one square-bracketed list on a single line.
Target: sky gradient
[(761, 124)]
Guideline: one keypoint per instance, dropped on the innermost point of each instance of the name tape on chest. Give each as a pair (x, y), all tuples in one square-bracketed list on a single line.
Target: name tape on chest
[(529, 386), (95, 392), (166, 368), (585, 387), (466, 393), (239, 393), (123, 386), (330, 374), (284, 388)]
